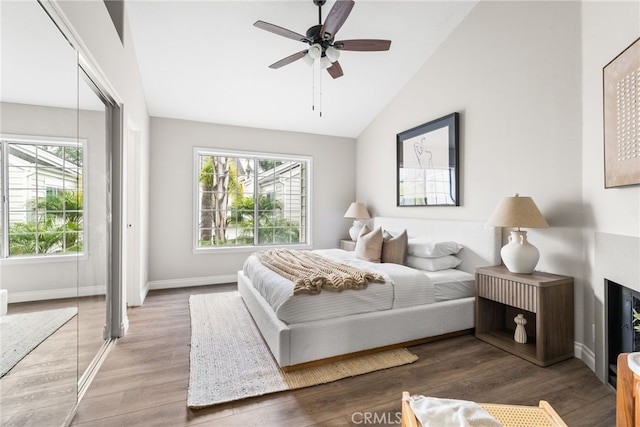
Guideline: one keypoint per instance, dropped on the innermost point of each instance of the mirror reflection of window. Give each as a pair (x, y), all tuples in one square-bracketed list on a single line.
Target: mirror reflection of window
[(42, 216)]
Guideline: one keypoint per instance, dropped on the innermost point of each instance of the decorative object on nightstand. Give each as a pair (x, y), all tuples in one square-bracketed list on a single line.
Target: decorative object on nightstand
[(356, 211), (519, 256), (520, 336)]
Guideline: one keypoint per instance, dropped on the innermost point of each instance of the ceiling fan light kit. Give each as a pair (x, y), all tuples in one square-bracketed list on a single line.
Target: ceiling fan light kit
[(332, 53), (315, 51)]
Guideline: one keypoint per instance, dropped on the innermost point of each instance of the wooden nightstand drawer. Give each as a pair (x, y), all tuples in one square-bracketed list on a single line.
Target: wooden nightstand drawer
[(509, 292)]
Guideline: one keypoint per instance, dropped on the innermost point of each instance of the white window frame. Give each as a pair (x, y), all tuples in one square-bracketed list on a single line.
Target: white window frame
[(207, 151), (9, 139)]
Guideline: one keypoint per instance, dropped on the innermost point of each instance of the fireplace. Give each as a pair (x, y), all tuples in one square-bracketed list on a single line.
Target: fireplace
[(623, 338)]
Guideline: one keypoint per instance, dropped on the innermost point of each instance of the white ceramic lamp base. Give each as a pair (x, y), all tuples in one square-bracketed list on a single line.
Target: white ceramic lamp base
[(355, 229), (520, 256)]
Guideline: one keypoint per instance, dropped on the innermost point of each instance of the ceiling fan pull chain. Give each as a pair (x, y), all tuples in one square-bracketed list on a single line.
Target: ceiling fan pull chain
[(313, 88), (320, 85)]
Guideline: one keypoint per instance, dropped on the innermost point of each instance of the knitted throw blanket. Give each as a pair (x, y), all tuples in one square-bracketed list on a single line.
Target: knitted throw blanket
[(310, 272)]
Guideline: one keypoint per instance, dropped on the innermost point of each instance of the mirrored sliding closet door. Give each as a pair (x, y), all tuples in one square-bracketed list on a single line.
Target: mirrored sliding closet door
[(55, 234)]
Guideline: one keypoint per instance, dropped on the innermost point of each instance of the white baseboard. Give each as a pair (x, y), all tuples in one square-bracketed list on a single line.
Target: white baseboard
[(192, 281), (143, 292), (585, 354), (82, 291)]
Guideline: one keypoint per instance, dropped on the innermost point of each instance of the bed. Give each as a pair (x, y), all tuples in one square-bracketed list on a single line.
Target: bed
[(296, 342)]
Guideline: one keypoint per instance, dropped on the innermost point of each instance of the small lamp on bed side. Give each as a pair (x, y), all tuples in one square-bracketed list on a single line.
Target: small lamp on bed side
[(357, 211), (519, 256)]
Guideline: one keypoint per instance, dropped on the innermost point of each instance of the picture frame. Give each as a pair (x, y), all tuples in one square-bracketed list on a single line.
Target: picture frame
[(621, 111), (427, 164)]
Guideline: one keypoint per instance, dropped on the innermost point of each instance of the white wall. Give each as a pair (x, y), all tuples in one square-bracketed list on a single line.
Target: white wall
[(172, 262), (513, 71), (613, 215)]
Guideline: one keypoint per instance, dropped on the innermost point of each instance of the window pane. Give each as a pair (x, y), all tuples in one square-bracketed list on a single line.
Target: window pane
[(241, 198), (45, 204), (280, 202)]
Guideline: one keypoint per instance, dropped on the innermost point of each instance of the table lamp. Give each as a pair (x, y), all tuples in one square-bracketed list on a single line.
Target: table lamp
[(357, 211), (519, 256)]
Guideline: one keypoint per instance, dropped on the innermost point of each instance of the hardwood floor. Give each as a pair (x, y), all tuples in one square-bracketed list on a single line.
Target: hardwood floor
[(42, 389), (144, 381)]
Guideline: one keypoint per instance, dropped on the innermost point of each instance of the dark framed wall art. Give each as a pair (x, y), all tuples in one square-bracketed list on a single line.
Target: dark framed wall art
[(621, 79), (427, 164)]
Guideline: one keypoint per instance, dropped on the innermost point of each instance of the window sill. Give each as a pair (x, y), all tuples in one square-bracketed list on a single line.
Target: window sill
[(247, 249), (43, 259)]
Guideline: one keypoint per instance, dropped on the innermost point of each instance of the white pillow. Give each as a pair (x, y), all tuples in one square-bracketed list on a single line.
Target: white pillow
[(422, 247), (433, 264)]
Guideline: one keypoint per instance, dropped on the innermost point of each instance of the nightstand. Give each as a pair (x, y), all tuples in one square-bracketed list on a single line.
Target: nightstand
[(347, 245), (546, 300)]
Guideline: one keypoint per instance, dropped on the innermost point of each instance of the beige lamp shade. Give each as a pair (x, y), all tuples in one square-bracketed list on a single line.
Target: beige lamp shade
[(517, 211), (357, 210)]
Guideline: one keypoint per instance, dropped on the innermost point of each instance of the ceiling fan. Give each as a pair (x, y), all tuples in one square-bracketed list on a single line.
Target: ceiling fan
[(321, 39)]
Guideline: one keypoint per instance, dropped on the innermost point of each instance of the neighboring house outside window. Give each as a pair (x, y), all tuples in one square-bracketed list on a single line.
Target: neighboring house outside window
[(42, 200), (251, 199)]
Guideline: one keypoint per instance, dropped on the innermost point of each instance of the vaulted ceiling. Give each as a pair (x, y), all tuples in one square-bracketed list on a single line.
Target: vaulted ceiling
[(205, 61)]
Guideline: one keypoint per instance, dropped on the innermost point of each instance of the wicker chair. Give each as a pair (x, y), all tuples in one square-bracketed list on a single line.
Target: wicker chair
[(542, 415)]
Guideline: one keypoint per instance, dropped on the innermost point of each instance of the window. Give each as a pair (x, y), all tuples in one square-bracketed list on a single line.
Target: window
[(252, 199), (42, 200)]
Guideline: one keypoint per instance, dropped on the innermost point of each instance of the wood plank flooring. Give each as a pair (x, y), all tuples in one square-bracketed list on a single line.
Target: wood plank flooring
[(144, 381), (42, 389)]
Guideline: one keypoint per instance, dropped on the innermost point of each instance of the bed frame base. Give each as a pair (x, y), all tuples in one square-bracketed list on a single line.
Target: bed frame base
[(375, 350), (301, 343)]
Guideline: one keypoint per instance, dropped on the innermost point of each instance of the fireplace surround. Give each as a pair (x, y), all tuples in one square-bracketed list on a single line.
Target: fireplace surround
[(622, 335), (616, 279)]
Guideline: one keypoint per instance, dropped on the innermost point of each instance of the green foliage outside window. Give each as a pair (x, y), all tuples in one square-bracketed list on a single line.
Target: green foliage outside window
[(271, 228), (58, 228), (228, 216)]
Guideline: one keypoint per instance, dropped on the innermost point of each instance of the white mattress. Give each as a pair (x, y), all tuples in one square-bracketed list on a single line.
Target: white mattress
[(404, 287), (452, 284)]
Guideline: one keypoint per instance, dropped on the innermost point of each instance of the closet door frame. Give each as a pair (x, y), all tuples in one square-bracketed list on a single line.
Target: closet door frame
[(116, 324)]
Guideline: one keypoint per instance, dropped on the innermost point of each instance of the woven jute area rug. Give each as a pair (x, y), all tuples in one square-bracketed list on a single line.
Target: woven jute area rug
[(230, 361), (21, 333)]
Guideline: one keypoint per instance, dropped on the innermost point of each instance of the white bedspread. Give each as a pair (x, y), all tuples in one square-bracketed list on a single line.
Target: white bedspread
[(403, 287)]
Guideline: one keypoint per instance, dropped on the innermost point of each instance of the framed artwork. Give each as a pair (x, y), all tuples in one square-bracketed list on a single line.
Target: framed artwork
[(427, 160), (621, 79)]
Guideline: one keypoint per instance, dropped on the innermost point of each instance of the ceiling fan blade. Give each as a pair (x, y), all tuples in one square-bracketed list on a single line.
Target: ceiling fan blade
[(289, 59), (363, 45), (280, 31), (336, 17), (335, 70)]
